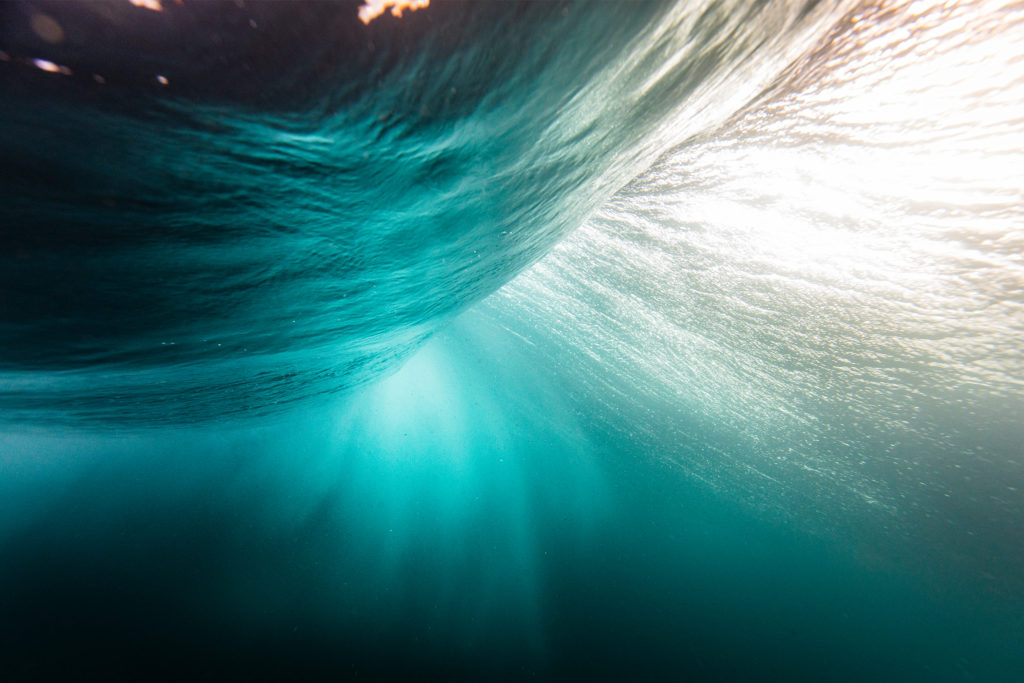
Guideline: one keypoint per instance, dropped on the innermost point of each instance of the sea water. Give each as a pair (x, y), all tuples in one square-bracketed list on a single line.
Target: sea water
[(756, 418)]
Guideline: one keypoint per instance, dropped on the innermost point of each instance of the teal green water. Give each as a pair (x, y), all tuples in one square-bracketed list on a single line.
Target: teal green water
[(505, 341), (307, 199), (500, 533)]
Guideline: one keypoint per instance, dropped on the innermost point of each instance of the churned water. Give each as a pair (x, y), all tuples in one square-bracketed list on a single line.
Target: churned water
[(302, 199), (519, 340)]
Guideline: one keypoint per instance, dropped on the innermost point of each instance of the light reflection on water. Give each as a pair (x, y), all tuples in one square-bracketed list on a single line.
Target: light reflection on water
[(826, 294)]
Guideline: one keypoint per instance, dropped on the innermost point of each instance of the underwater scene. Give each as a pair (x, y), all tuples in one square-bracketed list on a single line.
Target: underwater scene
[(454, 340)]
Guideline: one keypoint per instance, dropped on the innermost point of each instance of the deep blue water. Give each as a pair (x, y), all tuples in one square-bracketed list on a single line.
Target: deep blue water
[(520, 340)]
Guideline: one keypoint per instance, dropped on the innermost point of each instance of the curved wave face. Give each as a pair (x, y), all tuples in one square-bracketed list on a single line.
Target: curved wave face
[(212, 209), (512, 340)]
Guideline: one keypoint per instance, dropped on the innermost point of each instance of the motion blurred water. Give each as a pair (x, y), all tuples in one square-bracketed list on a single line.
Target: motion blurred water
[(827, 292), (759, 418), (303, 199)]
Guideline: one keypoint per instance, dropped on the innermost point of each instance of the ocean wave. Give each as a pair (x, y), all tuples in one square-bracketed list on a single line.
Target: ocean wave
[(218, 209)]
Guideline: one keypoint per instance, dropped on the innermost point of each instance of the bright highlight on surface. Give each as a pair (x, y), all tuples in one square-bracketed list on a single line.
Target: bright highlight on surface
[(51, 67), (154, 5), (374, 8), (832, 282)]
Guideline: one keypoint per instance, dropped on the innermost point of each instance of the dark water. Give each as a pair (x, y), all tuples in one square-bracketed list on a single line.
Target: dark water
[(279, 400)]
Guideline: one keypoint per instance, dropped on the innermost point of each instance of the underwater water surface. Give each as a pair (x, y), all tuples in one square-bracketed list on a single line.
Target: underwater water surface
[(512, 341)]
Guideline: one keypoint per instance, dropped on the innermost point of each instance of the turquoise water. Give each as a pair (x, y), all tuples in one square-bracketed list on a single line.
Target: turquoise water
[(483, 536), (681, 344), (307, 199)]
